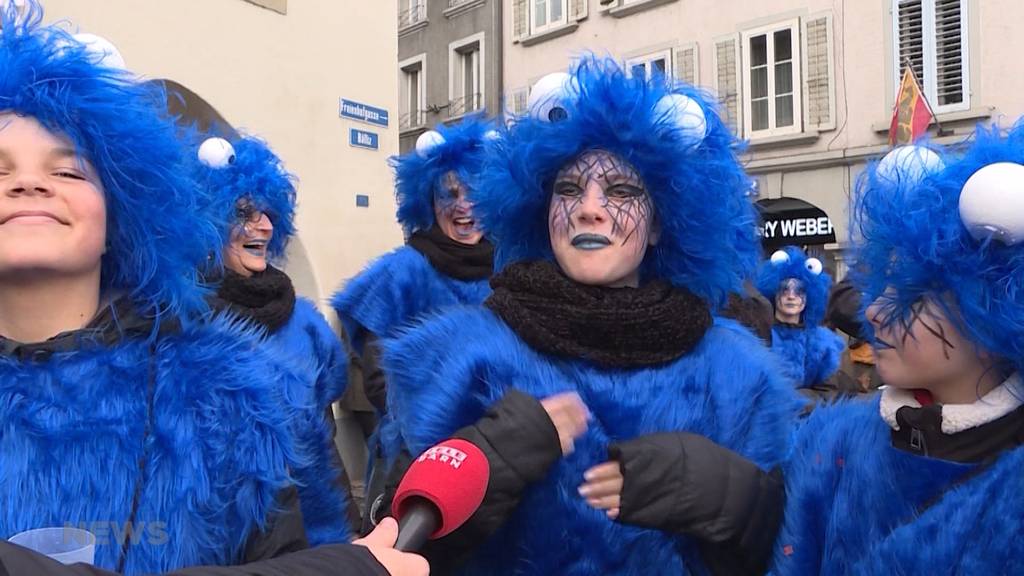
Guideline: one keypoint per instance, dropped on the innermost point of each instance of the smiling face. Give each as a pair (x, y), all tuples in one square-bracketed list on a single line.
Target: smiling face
[(453, 211), (53, 217), (601, 220), (246, 252)]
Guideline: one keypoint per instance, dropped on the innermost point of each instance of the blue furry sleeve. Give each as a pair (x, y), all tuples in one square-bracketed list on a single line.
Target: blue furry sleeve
[(443, 374), (824, 351)]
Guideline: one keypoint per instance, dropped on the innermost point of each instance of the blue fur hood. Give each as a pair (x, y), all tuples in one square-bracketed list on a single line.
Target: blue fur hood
[(708, 241)]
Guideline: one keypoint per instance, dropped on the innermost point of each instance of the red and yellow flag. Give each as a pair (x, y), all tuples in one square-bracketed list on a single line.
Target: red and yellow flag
[(911, 115)]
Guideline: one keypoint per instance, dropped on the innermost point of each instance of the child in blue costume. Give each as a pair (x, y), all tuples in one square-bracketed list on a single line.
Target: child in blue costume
[(921, 480), (446, 261), (124, 410), (621, 220), (798, 288), (253, 196)]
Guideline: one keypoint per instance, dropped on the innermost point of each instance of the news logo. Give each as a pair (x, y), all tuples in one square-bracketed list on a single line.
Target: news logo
[(444, 454)]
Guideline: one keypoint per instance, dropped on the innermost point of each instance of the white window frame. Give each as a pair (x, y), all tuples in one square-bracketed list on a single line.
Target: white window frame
[(796, 57), (531, 7), (404, 96), (646, 60), (455, 58), (928, 32)]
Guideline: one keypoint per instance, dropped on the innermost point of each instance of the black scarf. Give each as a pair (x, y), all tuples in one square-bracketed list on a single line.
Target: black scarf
[(266, 298), (451, 258), (612, 327)]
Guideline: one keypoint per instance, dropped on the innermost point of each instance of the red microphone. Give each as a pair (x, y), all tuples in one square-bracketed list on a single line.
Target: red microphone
[(439, 492)]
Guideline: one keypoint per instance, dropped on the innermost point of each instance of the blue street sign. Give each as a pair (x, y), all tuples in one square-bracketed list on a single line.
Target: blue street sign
[(363, 139), (363, 112), (362, 200)]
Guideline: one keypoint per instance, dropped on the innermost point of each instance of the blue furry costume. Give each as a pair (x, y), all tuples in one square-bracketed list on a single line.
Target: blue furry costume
[(181, 416), (857, 504), (445, 373), (811, 352), (402, 286), (306, 340)]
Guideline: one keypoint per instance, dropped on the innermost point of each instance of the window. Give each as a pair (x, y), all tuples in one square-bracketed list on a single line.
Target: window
[(932, 36), (412, 96), (649, 65), (466, 75), (546, 14), (411, 12), (771, 71)]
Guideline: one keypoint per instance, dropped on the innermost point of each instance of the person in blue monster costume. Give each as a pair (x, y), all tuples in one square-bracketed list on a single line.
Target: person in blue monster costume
[(798, 288), (124, 408), (621, 221), (446, 260), (250, 190), (921, 474), (918, 480)]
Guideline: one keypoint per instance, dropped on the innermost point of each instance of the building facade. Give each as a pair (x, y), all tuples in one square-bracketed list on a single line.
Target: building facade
[(449, 62), (279, 69), (809, 84)]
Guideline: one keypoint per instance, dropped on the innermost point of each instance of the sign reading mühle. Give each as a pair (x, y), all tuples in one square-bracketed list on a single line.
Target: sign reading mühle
[(791, 221)]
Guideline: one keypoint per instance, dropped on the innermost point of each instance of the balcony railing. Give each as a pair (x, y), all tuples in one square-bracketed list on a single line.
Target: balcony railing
[(465, 105), (415, 14), (413, 119)]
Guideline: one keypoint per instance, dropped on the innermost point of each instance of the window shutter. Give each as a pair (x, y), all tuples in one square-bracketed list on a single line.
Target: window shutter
[(818, 73), (728, 82), (949, 52), (520, 20), (687, 64), (911, 37), (518, 100), (578, 10)]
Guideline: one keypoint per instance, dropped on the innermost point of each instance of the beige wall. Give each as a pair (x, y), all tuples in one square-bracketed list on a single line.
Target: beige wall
[(280, 77)]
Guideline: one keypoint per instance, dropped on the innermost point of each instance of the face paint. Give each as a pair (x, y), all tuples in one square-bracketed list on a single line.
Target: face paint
[(600, 220), (790, 301), (924, 349), (246, 252), (453, 211)]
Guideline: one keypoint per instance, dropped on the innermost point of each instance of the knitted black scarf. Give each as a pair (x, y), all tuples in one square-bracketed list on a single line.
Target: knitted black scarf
[(611, 327), (454, 259), (266, 298)]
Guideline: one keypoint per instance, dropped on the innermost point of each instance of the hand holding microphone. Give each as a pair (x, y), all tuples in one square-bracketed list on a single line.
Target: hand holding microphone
[(381, 543)]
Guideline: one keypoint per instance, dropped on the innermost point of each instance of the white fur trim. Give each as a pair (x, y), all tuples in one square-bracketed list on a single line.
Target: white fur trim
[(1002, 400), (892, 400)]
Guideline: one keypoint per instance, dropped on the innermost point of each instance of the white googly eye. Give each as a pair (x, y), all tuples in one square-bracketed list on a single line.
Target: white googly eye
[(428, 141), (551, 96), (216, 153), (106, 53), (685, 114), (780, 257), (813, 266), (909, 164), (992, 203)]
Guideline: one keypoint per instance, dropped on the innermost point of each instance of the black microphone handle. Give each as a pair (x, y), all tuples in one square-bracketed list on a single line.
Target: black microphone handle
[(420, 520)]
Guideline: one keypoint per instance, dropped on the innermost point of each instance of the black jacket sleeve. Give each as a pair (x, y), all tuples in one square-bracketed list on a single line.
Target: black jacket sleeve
[(279, 550), (330, 560), (373, 376), (284, 532), (521, 444), (686, 484)]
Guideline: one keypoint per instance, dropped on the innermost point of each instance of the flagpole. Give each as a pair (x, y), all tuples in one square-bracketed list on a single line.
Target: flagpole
[(935, 117)]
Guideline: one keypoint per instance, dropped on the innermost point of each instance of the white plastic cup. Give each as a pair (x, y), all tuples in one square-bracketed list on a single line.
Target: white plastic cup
[(66, 545)]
